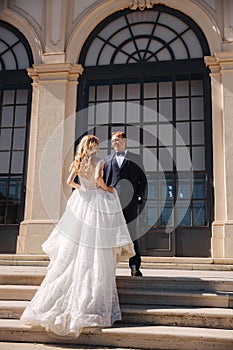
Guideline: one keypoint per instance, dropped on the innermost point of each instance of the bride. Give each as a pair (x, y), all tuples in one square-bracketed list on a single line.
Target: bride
[(79, 289)]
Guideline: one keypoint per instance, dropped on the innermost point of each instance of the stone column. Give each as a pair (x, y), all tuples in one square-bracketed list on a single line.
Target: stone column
[(52, 137), (221, 66)]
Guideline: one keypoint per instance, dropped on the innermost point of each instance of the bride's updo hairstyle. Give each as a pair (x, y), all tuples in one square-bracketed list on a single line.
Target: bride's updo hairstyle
[(85, 153)]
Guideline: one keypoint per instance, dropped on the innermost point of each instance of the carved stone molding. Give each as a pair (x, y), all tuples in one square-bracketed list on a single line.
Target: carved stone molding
[(141, 4)]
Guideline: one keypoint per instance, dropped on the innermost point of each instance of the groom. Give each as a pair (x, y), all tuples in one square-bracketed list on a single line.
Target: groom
[(124, 171)]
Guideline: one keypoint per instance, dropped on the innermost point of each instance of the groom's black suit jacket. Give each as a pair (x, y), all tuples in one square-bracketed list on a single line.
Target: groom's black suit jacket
[(129, 180)]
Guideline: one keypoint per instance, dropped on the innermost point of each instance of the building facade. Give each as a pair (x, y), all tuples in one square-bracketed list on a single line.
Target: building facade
[(160, 70)]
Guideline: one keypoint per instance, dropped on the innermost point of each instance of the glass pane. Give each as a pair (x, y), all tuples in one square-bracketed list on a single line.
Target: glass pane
[(15, 188), (21, 96), (20, 115), (150, 90), (166, 189), (163, 55), (133, 134), (165, 159), (4, 162), (22, 57), (118, 38), (118, 112), (164, 33), (9, 60), (8, 97), (165, 89), (166, 216), (133, 91), (194, 46), (92, 52), (198, 158), (150, 159), (5, 139), (149, 135), (182, 136), (151, 216), (152, 187), (102, 93), (165, 110), (133, 112), (197, 108), (102, 134), (172, 21), (183, 161), (122, 58), (91, 113), (3, 187), (118, 92), (106, 55), (166, 134), (92, 93), (183, 213), (179, 49), (184, 189), (7, 116), (150, 111), (198, 136), (182, 88), (17, 162), (196, 87), (199, 213), (102, 113), (199, 189), (182, 109), (19, 139)]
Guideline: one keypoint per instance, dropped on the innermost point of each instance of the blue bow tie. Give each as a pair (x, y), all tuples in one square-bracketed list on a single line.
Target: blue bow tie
[(120, 153)]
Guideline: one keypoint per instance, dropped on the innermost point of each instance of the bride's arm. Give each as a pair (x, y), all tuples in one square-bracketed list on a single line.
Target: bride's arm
[(100, 181), (70, 180), (102, 184)]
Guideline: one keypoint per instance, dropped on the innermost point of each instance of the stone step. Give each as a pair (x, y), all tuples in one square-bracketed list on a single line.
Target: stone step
[(138, 296), (41, 346), (24, 260), (138, 337), (177, 283), (17, 292), (219, 318), (148, 262), (153, 297), (156, 282)]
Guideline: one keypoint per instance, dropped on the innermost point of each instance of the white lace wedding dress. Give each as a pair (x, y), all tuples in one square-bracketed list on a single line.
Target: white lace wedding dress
[(79, 289)]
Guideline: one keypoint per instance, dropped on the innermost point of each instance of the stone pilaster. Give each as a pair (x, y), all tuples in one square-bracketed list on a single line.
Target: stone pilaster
[(52, 136), (221, 66)]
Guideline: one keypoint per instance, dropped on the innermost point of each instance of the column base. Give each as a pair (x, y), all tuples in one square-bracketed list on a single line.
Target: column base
[(222, 239), (32, 234)]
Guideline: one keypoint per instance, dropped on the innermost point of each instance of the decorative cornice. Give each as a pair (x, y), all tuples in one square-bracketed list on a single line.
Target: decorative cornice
[(141, 4), (59, 71), (221, 61)]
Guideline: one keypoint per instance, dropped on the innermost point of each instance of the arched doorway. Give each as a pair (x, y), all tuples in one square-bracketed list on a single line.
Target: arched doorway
[(154, 59), (15, 107)]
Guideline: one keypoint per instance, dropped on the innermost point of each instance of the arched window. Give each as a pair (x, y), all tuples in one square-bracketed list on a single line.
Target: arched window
[(15, 104), (144, 72)]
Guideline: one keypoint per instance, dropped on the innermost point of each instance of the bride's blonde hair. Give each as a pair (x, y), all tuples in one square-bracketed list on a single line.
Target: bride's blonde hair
[(85, 153)]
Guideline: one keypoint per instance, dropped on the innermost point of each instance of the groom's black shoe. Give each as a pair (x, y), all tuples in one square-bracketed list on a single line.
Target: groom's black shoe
[(135, 272)]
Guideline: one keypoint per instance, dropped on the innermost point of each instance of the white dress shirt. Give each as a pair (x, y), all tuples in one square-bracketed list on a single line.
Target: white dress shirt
[(120, 158)]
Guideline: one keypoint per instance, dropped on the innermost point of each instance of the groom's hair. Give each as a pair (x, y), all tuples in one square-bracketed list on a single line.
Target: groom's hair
[(121, 134)]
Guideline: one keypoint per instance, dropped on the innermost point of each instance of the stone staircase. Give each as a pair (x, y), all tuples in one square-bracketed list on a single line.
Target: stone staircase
[(176, 309)]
